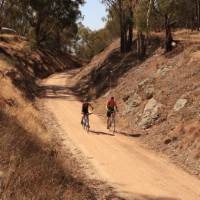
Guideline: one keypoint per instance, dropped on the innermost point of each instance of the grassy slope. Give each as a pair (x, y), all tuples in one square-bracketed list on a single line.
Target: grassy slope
[(29, 167), (170, 77)]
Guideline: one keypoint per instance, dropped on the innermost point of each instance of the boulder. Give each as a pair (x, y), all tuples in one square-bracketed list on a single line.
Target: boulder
[(180, 104), (150, 114)]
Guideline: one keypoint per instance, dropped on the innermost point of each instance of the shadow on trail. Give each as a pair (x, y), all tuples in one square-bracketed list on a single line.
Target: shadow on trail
[(101, 133), (147, 197), (129, 134), (114, 134), (56, 92)]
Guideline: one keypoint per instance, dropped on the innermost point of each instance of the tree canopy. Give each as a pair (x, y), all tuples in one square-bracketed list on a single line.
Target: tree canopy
[(47, 21), (56, 23)]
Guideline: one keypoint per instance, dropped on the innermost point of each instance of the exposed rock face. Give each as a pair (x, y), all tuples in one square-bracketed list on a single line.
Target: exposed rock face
[(146, 87), (143, 83), (132, 102), (180, 104), (163, 70), (150, 114)]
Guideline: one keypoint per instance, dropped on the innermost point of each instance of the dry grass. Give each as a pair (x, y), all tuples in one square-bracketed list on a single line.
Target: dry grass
[(30, 167)]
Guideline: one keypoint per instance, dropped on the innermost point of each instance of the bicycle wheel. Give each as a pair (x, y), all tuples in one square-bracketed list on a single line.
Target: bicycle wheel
[(84, 123), (87, 125), (113, 123), (109, 123)]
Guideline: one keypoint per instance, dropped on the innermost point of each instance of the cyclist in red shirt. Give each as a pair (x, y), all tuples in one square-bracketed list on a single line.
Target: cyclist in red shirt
[(111, 110)]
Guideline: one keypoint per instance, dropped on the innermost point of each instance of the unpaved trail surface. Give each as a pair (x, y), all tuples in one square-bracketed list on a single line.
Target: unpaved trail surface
[(120, 161)]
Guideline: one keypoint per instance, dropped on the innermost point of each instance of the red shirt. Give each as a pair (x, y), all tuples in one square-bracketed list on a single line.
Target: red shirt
[(112, 103)]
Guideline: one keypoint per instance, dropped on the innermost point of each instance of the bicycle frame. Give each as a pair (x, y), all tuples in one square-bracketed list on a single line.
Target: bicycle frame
[(112, 121)]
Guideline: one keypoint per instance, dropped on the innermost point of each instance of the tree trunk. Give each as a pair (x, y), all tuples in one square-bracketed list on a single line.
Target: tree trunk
[(141, 45), (197, 15), (148, 20), (38, 29), (122, 27), (168, 37), (130, 29), (58, 40), (37, 33), (125, 30), (1, 15)]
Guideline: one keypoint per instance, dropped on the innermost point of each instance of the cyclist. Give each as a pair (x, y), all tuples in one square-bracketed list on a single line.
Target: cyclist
[(85, 110), (111, 109)]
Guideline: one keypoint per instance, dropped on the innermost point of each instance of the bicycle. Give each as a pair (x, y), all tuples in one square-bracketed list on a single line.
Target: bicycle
[(85, 122), (111, 122)]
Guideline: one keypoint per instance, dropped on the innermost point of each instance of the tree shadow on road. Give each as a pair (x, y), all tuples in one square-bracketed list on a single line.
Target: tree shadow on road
[(101, 133), (56, 92)]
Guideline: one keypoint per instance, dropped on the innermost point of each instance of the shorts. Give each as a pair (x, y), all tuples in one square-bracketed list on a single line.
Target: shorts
[(110, 111)]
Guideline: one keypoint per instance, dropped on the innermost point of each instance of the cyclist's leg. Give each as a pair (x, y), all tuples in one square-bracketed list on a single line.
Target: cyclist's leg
[(108, 122), (108, 119), (87, 124), (82, 119), (112, 121), (85, 120), (88, 121)]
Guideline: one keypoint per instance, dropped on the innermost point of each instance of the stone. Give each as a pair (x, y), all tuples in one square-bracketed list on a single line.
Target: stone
[(163, 70), (150, 114), (143, 83), (167, 141), (180, 104), (125, 98), (149, 92), (132, 102)]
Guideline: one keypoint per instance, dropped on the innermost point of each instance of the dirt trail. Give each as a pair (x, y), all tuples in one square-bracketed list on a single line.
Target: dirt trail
[(121, 161)]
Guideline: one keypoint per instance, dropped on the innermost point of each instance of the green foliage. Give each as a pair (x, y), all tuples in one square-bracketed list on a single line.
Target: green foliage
[(48, 20), (53, 23), (179, 12), (112, 23), (89, 43), (140, 16)]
